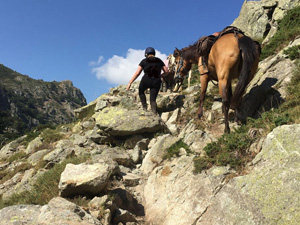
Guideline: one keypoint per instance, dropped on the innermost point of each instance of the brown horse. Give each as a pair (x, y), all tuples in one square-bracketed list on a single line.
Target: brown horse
[(232, 55)]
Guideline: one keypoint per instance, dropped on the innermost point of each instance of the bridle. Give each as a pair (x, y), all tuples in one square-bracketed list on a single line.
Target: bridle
[(181, 66)]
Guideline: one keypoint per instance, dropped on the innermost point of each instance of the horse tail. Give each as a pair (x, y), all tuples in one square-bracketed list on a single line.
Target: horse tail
[(250, 52)]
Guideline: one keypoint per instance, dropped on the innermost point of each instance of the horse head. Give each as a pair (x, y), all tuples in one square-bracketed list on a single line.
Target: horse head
[(183, 65)]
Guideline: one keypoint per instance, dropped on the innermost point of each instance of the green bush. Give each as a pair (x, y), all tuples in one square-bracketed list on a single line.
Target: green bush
[(174, 150), (17, 156), (288, 30), (50, 136), (45, 188), (230, 149), (293, 52)]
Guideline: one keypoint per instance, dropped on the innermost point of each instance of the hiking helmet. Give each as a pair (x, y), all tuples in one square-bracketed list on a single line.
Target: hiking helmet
[(149, 51)]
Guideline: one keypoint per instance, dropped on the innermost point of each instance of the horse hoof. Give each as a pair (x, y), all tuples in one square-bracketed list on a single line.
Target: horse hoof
[(227, 131)]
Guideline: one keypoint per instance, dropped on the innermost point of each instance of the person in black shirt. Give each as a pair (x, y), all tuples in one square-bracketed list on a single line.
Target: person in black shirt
[(152, 67)]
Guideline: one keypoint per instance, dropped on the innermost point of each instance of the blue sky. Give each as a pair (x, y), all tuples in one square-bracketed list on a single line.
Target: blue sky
[(98, 44)]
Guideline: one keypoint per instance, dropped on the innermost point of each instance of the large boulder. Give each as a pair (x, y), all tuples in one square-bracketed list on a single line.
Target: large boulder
[(57, 211), (269, 194), (11, 148), (155, 154), (259, 19), (85, 179), (117, 121), (175, 195)]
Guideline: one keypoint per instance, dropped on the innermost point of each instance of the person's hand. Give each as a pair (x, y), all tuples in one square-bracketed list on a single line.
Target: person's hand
[(128, 87)]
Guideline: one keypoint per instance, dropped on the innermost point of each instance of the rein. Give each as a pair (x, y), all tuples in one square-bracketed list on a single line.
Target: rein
[(181, 66)]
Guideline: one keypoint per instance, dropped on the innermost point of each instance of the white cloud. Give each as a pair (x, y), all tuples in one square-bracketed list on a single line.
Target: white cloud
[(93, 63), (119, 70)]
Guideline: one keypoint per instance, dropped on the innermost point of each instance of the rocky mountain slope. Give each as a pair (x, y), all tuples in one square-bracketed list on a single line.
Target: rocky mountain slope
[(26, 102), (259, 19), (122, 165)]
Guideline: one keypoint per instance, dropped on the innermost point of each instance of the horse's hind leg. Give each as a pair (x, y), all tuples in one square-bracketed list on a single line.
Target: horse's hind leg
[(224, 90)]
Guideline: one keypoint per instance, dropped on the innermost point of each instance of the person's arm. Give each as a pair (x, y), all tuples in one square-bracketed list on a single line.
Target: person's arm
[(165, 69), (135, 75)]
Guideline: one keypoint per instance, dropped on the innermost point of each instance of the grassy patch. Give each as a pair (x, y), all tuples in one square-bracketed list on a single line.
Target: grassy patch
[(17, 156), (8, 174), (293, 52), (51, 135), (45, 188), (31, 135), (230, 149), (174, 150), (288, 30)]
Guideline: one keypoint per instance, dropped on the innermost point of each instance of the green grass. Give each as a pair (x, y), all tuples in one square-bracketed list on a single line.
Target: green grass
[(230, 149), (174, 150), (17, 156), (288, 30), (45, 188), (51, 136), (293, 52)]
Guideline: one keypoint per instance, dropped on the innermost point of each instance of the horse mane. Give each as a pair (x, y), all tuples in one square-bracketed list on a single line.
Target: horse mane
[(190, 53)]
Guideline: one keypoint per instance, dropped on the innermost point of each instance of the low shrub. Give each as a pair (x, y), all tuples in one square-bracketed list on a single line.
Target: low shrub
[(293, 52), (174, 150), (230, 149), (45, 187)]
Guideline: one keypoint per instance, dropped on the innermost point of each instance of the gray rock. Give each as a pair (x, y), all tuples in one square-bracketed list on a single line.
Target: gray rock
[(260, 18), (11, 148), (61, 211), (155, 154), (85, 179), (197, 140), (169, 102), (20, 214), (37, 156), (118, 121), (175, 195), (119, 155), (63, 150), (269, 194), (34, 145)]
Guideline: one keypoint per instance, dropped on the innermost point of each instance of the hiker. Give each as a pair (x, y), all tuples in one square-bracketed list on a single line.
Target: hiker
[(152, 67)]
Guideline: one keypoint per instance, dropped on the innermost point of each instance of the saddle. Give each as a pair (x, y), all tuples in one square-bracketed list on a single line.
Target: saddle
[(204, 44)]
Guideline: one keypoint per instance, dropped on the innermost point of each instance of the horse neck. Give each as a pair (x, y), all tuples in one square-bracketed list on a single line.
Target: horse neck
[(190, 54), (172, 60)]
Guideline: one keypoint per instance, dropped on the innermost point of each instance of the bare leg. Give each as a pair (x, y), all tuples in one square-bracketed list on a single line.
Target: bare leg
[(204, 81)]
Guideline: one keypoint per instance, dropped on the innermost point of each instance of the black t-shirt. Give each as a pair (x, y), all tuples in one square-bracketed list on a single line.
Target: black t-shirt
[(152, 66)]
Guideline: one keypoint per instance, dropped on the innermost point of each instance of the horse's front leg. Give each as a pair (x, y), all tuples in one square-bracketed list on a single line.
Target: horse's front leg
[(204, 82)]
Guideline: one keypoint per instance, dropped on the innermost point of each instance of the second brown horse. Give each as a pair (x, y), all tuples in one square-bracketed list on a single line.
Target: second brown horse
[(232, 55)]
